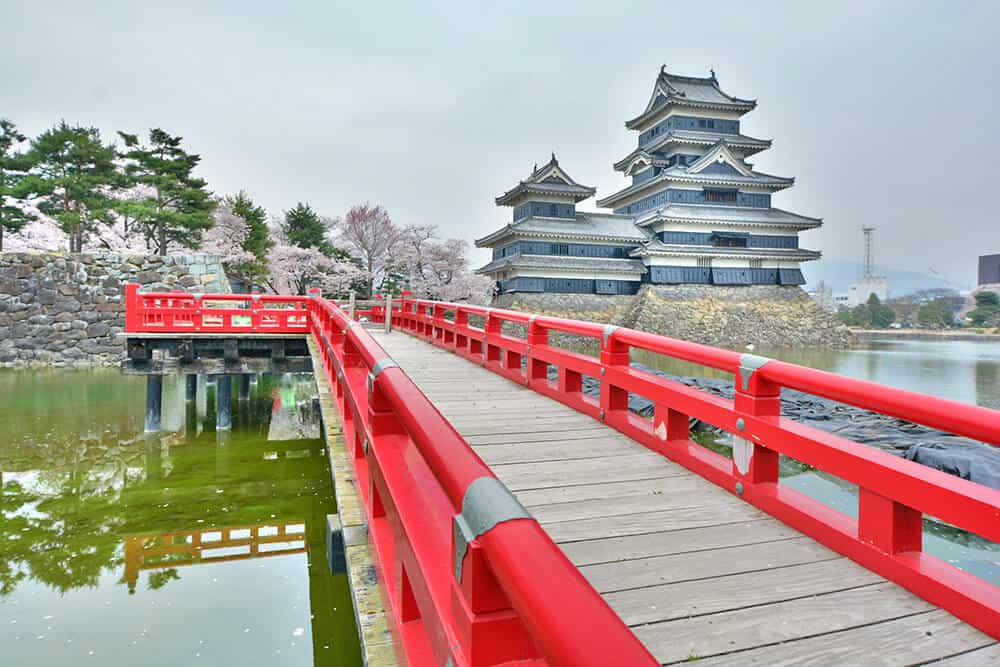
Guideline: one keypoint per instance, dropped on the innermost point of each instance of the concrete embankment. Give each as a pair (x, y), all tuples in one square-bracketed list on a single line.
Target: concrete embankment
[(923, 334)]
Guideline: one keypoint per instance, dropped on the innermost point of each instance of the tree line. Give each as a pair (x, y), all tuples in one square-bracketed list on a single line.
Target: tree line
[(936, 308), (68, 189)]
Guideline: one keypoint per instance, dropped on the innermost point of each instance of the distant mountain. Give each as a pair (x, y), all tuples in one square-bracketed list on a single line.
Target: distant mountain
[(841, 273)]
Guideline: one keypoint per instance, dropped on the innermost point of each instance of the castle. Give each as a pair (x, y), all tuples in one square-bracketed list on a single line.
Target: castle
[(695, 212)]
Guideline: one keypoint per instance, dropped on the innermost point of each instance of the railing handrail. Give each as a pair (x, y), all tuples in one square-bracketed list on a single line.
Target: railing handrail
[(894, 493), (547, 592), (963, 419)]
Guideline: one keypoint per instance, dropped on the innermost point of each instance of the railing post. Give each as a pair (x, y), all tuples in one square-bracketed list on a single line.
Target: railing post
[(537, 370), (387, 324), (492, 327), (614, 400), (132, 305), (753, 462), (350, 305), (887, 525)]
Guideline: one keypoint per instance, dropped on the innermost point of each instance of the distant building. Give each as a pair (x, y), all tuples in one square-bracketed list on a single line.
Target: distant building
[(989, 270), (862, 291), (695, 212)]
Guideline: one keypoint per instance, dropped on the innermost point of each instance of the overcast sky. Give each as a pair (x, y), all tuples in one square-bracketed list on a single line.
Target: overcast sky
[(886, 113)]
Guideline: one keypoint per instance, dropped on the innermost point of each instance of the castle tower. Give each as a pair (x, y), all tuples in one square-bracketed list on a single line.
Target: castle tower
[(550, 247), (708, 209)]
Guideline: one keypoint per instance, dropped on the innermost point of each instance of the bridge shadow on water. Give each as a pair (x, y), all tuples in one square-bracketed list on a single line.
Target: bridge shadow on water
[(190, 545)]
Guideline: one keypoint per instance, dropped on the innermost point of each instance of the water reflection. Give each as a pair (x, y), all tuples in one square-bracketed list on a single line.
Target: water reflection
[(128, 548)]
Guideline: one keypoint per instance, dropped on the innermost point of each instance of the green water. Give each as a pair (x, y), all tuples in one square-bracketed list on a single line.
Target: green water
[(966, 371), (190, 547)]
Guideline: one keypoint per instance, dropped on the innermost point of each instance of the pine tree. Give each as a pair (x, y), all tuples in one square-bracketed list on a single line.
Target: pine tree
[(71, 170), (12, 166), (258, 241), (304, 228), (178, 207)]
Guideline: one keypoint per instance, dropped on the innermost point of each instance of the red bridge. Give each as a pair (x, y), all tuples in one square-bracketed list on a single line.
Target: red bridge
[(518, 520)]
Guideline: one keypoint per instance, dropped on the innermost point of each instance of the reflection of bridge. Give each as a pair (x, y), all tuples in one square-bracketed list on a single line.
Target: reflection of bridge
[(157, 551), (641, 546)]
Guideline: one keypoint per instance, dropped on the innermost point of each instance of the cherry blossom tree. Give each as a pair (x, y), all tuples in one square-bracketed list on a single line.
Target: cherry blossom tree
[(369, 234), (438, 269), (292, 270), (40, 234), (226, 238)]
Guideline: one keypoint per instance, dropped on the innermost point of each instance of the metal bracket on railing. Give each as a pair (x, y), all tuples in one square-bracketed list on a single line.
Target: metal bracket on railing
[(487, 502), (749, 363), (608, 330), (380, 365), (349, 325), (197, 295), (255, 297), (531, 320)]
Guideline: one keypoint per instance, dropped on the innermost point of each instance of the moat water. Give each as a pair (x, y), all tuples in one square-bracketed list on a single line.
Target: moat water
[(190, 547)]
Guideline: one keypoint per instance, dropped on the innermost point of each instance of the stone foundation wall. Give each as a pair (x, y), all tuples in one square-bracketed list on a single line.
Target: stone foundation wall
[(724, 316), (67, 309)]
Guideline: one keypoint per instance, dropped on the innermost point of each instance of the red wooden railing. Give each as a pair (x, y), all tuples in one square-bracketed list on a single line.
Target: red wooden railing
[(510, 594), (182, 312), (894, 494)]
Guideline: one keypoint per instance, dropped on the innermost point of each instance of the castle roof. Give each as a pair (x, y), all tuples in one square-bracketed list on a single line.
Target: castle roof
[(657, 247), (563, 263), (586, 226), (550, 179), (688, 91), (729, 215), (749, 145), (739, 174)]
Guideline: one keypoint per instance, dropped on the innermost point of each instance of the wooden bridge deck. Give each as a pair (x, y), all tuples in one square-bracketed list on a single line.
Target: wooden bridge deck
[(697, 573)]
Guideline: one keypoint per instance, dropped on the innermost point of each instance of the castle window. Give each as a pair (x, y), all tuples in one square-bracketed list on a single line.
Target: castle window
[(730, 239), (701, 122), (553, 210), (720, 195), (560, 248)]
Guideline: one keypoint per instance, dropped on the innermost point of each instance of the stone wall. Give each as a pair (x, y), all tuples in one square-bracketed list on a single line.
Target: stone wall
[(724, 316), (67, 309)]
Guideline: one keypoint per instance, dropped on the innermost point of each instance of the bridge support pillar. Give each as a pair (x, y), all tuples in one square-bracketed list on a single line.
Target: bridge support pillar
[(191, 386), (154, 402), (245, 386), (223, 398)]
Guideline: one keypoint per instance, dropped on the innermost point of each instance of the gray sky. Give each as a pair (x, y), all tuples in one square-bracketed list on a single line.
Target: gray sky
[(885, 113)]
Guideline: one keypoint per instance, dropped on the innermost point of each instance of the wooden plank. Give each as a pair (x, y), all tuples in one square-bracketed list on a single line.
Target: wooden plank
[(585, 471), (666, 602), (520, 438), (637, 524), (690, 493), (472, 426), (582, 448), (659, 570), (982, 657), (700, 539), (702, 636), (584, 492), (917, 639)]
